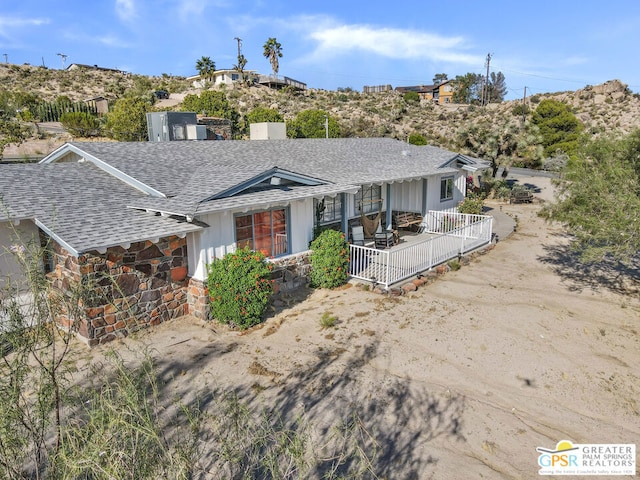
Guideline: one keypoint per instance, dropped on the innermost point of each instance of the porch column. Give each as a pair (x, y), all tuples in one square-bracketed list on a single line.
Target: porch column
[(425, 181), (343, 215), (389, 208)]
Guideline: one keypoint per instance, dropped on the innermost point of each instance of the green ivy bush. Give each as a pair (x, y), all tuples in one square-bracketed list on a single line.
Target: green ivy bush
[(240, 286), (329, 260)]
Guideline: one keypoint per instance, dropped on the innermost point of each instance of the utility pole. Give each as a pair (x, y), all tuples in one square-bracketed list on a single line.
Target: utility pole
[(6, 57), (63, 57), (485, 87), (524, 105), (239, 40)]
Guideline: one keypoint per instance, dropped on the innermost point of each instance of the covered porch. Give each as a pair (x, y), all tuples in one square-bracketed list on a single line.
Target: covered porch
[(442, 236)]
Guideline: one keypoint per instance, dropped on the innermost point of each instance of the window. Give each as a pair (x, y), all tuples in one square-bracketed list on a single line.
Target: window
[(332, 211), (266, 231), (369, 199), (446, 189), (235, 76)]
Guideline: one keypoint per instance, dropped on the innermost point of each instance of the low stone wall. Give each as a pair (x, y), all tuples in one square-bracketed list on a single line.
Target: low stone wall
[(128, 290), (291, 272)]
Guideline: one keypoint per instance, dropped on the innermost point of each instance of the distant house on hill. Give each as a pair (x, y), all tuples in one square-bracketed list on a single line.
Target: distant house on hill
[(76, 66), (222, 77), (376, 88), (440, 93), (443, 92), (425, 91), (278, 82), (229, 76)]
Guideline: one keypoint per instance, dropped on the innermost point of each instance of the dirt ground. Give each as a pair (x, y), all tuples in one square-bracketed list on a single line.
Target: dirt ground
[(463, 378)]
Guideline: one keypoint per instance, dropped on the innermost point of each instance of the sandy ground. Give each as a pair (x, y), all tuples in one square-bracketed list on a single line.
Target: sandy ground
[(463, 378)]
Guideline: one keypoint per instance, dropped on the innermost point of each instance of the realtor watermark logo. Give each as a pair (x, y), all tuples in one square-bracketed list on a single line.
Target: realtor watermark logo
[(587, 459)]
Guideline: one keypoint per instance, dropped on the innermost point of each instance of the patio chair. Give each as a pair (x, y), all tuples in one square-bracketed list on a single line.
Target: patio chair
[(357, 235), (383, 238)]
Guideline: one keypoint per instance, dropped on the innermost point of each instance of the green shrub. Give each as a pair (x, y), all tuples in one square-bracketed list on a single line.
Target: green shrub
[(519, 110), (80, 124), (417, 139), (472, 205), (411, 97), (329, 260), (502, 191), (519, 188), (454, 264), (240, 287), (328, 321)]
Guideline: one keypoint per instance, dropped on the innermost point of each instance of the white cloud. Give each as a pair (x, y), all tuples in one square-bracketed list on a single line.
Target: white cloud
[(112, 41), (126, 10), (333, 38), (391, 43), (576, 60), (15, 23), (108, 40), (190, 10)]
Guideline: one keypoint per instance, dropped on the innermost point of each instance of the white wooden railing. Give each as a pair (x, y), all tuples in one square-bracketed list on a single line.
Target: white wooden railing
[(456, 234)]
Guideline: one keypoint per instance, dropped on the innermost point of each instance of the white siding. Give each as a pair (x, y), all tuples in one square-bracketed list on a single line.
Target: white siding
[(212, 242), (26, 233), (219, 238), (301, 225), (433, 192)]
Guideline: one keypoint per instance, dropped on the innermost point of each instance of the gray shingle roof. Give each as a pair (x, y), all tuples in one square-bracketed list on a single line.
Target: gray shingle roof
[(82, 206), (176, 168), (89, 208)]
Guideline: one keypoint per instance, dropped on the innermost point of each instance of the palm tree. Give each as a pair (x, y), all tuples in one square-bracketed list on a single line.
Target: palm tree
[(205, 67), (242, 62), (273, 51)]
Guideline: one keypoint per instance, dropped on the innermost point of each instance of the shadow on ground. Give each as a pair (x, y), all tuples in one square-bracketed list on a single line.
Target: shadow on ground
[(385, 424), (608, 273), (362, 427)]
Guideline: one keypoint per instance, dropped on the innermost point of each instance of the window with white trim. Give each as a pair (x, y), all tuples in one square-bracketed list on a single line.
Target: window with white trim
[(446, 189), (264, 231), (328, 210), (369, 199)]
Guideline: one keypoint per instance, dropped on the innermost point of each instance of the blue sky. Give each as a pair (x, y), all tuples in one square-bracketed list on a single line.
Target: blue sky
[(547, 46)]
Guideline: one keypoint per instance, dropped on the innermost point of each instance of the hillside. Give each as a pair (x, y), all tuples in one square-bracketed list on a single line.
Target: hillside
[(610, 107)]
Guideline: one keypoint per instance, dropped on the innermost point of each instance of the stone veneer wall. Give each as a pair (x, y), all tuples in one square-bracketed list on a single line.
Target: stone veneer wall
[(198, 299), (131, 289), (292, 271), (289, 273)]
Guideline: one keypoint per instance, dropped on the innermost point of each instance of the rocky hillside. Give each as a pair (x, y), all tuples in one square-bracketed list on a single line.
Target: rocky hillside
[(602, 108)]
